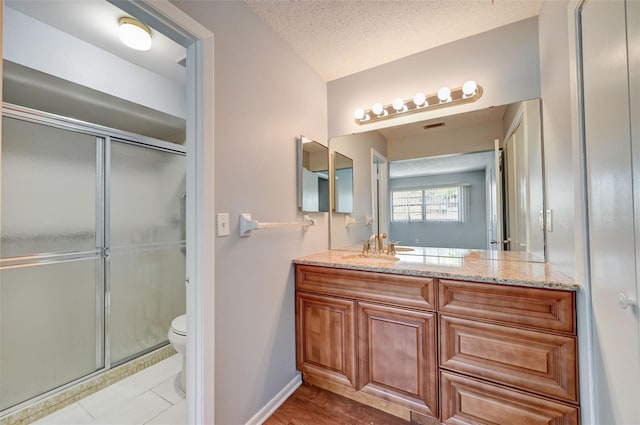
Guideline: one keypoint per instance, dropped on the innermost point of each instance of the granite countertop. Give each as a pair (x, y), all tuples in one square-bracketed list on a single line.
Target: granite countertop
[(476, 265)]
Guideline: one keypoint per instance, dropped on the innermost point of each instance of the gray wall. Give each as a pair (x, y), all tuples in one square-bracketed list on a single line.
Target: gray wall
[(559, 158), (471, 234), (265, 97), (503, 61), (357, 147)]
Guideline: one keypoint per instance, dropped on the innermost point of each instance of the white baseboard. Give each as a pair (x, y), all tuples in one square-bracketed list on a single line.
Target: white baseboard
[(273, 404)]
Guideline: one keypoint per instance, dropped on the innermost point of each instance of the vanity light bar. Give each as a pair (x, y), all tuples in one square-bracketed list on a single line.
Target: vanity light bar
[(468, 92)]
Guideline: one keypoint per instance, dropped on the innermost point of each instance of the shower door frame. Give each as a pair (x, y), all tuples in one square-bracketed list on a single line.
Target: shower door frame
[(103, 136)]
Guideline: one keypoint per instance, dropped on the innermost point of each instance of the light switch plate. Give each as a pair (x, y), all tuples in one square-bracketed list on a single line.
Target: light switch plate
[(223, 224)]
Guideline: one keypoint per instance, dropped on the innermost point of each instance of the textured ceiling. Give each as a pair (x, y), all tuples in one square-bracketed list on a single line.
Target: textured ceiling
[(482, 116), (445, 164), (342, 37)]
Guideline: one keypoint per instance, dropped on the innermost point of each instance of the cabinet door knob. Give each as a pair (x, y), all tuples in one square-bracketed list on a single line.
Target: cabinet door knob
[(625, 301)]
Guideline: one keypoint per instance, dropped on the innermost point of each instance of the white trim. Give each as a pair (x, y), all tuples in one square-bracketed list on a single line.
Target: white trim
[(273, 404), (199, 41), (589, 403)]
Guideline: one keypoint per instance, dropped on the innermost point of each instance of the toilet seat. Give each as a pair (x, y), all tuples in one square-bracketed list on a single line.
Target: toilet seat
[(179, 325)]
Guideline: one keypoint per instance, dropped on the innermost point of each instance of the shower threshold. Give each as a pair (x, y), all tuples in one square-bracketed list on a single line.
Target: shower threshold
[(54, 400)]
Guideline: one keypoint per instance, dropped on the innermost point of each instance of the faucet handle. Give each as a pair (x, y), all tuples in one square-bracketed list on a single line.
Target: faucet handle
[(391, 247)]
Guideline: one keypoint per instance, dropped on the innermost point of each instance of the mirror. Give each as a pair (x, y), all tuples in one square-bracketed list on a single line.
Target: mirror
[(313, 176), (342, 183), (468, 181)]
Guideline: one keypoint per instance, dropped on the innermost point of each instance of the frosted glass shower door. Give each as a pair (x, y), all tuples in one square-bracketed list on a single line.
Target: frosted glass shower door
[(51, 296), (147, 244)]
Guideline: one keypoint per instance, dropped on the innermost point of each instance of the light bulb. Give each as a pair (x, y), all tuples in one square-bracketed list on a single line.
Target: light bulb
[(469, 88), (398, 104), (420, 99), (444, 94), (135, 34), (377, 109), (359, 113)]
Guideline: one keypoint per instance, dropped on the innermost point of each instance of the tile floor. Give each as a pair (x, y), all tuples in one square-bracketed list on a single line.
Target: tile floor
[(149, 397)]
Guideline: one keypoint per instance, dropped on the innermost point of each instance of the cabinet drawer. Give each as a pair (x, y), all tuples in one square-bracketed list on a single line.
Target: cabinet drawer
[(546, 309), (401, 290), (325, 334), (469, 401), (535, 361)]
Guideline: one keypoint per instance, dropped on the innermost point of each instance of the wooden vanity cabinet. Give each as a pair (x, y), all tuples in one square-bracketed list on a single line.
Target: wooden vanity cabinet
[(439, 350), (508, 354), (395, 337)]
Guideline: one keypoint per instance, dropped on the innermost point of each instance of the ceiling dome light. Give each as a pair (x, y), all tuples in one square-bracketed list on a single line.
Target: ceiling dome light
[(358, 113), (377, 109), (420, 99), (135, 34), (469, 88), (444, 94), (398, 104)]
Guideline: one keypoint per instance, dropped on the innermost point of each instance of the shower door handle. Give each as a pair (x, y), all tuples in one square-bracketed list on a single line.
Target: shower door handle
[(106, 253)]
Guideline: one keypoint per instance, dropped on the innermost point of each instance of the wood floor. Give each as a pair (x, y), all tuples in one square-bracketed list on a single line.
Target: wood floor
[(310, 405)]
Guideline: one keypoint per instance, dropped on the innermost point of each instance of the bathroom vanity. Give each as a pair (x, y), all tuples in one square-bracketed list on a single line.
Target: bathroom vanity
[(455, 337)]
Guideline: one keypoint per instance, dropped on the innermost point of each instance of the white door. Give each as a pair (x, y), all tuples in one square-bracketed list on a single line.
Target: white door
[(521, 181), (612, 236), (380, 192), (490, 185), (515, 192), (498, 218), (492, 179)]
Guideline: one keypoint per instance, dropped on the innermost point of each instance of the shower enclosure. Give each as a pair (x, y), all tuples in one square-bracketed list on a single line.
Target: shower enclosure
[(92, 250)]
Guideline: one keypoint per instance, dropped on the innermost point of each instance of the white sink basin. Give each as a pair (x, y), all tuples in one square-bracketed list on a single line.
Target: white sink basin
[(404, 249)]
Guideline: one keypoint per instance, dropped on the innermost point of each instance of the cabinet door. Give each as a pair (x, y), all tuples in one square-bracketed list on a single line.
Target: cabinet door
[(397, 356), (469, 401), (325, 332)]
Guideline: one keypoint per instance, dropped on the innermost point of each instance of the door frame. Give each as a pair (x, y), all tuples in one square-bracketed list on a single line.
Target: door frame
[(199, 41), (584, 307), (200, 277)]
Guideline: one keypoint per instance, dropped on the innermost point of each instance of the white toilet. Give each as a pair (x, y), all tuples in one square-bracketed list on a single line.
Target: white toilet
[(178, 338)]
